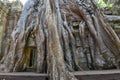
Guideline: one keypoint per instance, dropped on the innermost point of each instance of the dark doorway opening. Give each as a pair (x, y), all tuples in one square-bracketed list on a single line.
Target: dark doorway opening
[(31, 59)]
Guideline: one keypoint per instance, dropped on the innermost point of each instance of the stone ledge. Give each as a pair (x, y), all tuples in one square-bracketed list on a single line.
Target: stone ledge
[(23, 76), (81, 75)]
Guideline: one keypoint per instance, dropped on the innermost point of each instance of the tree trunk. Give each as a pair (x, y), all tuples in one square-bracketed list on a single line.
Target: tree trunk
[(69, 36)]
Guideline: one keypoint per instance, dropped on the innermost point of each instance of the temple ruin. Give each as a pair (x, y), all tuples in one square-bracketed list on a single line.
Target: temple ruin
[(80, 48)]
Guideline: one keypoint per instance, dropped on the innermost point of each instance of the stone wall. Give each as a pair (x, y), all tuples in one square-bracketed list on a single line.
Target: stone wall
[(3, 19), (11, 12)]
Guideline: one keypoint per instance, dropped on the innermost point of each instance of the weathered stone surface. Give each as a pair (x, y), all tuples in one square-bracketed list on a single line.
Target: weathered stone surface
[(98, 75), (10, 13), (3, 18), (23, 76), (82, 75)]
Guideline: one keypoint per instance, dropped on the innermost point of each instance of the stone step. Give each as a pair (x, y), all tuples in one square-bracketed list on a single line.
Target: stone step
[(23, 76), (98, 75), (81, 75)]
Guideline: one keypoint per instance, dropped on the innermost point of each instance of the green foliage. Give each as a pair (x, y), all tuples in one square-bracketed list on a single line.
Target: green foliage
[(102, 4), (110, 5)]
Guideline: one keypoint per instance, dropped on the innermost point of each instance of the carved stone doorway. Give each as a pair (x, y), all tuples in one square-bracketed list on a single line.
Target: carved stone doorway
[(31, 60)]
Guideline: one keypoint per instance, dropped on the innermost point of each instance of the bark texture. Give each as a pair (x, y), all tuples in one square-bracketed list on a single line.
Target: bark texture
[(69, 35)]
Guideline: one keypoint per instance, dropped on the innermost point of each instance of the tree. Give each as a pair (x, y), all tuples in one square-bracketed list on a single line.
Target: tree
[(52, 24)]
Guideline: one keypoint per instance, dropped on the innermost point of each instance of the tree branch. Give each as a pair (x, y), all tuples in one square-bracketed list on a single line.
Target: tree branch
[(112, 18)]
